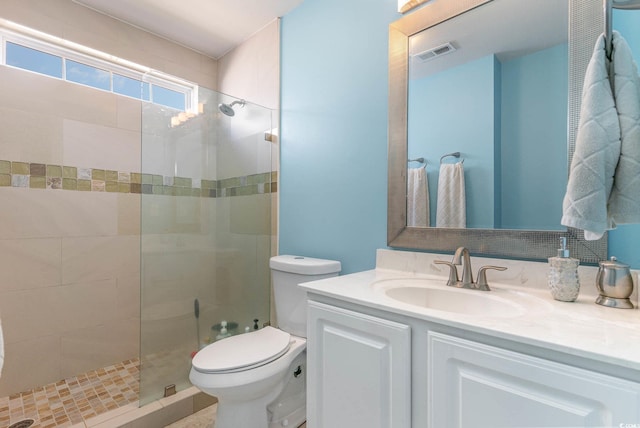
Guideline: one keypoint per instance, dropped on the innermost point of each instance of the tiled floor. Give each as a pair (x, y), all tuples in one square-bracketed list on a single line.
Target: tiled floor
[(202, 419), (70, 401), (74, 400)]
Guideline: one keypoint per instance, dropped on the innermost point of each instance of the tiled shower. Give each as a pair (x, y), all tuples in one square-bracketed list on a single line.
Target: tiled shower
[(112, 222), (104, 266)]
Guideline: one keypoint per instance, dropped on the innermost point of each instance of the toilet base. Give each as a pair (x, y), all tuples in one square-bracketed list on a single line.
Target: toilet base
[(289, 408), (255, 415), (285, 406), (233, 414), (294, 420)]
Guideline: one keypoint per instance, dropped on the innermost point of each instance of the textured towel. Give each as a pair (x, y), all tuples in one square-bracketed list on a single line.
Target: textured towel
[(596, 152), (1, 350), (624, 202), (417, 198), (452, 210)]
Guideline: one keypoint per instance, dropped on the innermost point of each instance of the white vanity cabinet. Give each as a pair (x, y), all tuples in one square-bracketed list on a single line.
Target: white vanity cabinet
[(359, 370), (367, 371), (475, 385)]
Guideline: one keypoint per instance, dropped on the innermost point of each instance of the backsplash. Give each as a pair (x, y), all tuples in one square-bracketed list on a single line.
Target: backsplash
[(59, 177)]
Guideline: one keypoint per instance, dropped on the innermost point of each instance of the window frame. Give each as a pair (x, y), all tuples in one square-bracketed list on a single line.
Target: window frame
[(33, 39)]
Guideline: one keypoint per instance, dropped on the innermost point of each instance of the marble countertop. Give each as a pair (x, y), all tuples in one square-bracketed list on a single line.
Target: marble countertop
[(579, 328)]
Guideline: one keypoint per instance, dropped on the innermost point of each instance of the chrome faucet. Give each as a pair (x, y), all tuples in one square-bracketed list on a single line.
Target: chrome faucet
[(462, 257)]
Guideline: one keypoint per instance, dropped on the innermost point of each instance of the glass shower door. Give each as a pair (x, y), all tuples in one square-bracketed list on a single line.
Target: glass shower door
[(206, 233)]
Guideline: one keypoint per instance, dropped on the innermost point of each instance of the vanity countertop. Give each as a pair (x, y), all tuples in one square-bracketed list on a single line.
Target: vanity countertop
[(579, 328)]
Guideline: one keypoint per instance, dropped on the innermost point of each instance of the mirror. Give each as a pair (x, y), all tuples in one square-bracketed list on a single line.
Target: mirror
[(503, 68), (500, 232)]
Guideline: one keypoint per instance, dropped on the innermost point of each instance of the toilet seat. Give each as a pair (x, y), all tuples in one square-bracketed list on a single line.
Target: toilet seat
[(242, 352)]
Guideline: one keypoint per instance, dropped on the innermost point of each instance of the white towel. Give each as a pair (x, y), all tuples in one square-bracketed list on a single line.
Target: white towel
[(1, 350), (417, 198), (596, 152), (624, 202), (451, 210)]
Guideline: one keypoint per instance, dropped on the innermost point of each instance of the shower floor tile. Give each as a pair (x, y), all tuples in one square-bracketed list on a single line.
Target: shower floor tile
[(73, 400)]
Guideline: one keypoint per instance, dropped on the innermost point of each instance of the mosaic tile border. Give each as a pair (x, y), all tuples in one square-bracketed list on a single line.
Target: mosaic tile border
[(59, 177), (73, 400)]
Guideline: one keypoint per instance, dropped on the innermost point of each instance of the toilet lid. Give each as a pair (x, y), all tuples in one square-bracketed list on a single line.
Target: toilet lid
[(243, 351)]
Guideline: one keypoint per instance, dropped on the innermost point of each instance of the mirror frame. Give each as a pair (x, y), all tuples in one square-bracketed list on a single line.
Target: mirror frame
[(585, 24)]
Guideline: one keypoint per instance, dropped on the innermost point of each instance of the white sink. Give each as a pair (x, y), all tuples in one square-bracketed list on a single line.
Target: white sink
[(436, 295)]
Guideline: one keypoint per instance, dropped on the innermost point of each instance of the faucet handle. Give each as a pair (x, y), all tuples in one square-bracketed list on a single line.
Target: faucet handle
[(482, 284), (453, 272)]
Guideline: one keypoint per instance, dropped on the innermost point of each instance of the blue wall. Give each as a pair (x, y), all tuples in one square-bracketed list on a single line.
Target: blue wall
[(534, 138), (334, 133), (436, 104), (333, 182)]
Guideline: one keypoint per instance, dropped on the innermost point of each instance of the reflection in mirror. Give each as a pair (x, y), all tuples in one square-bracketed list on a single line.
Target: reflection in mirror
[(492, 83), (520, 240)]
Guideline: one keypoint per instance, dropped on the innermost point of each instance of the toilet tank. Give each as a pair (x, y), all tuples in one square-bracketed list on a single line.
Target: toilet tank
[(290, 300)]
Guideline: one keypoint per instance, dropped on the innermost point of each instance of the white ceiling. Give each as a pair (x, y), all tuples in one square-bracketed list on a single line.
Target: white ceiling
[(212, 27), (506, 28)]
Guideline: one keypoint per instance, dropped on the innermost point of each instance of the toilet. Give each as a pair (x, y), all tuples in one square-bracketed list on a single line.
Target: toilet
[(259, 377)]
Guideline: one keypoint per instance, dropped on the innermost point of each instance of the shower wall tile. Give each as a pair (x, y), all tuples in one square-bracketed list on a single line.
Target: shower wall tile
[(99, 258), (129, 214), (18, 180), (101, 147), (24, 369), (54, 171), (98, 346), (251, 70), (85, 185), (38, 182), (21, 168), (251, 215), (97, 186), (64, 99), (97, 174), (55, 214), (29, 263), (29, 136), (54, 310), (73, 106), (128, 297), (129, 114), (84, 173), (54, 183), (268, 48)]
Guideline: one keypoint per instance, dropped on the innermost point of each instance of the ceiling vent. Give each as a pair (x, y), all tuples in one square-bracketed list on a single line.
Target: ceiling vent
[(432, 53)]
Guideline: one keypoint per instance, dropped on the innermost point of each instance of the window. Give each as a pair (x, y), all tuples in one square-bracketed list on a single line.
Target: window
[(168, 97), (87, 75), (43, 54), (34, 60), (131, 87)]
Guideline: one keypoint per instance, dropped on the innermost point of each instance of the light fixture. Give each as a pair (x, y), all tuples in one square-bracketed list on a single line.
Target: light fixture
[(406, 5)]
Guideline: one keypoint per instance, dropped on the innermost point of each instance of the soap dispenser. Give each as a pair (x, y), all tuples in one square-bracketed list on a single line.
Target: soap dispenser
[(563, 275)]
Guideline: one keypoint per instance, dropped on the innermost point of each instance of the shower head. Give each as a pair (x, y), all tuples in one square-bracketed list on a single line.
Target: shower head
[(228, 108)]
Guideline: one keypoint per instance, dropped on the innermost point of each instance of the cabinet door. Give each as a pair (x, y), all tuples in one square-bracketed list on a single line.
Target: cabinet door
[(475, 385), (359, 370)]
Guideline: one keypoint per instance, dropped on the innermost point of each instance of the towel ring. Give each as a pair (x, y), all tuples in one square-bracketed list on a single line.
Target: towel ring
[(453, 154), (421, 160)]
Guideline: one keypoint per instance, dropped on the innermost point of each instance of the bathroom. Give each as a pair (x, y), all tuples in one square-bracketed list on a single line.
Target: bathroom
[(332, 93)]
